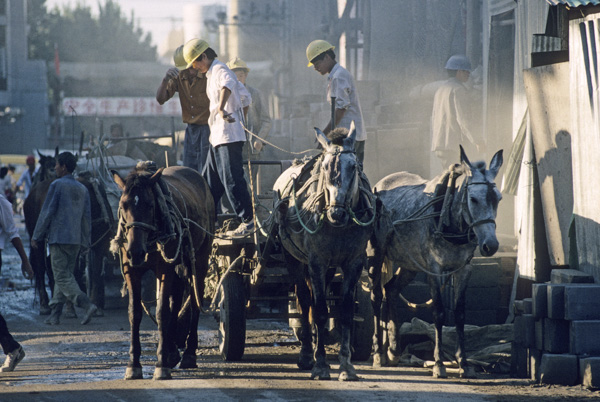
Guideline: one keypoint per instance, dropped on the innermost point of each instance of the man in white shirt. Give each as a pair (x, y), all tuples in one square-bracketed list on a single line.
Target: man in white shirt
[(10, 233), (452, 119), (26, 179), (228, 106), (341, 91)]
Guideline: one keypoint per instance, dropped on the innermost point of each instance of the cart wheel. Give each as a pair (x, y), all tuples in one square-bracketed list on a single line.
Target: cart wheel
[(232, 317), (362, 334)]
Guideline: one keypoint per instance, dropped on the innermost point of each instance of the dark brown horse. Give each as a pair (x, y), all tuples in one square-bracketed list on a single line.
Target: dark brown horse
[(163, 220), (103, 230), (31, 211)]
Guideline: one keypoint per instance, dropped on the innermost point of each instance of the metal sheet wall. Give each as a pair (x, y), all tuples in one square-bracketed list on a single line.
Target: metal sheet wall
[(583, 56)]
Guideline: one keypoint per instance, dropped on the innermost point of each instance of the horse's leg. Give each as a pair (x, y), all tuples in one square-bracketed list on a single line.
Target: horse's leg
[(461, 280), (393, 290), (38, 262), (47, 267), (296, 271), (439, 371), (162, 371), (188, 359), (134, 286), (375, 264), (350, 279), (175, 304), (320, 370), (306, 360), (96, 277)]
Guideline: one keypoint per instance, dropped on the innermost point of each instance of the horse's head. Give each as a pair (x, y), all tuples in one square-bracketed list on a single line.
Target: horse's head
[(339, 173), (137, 210), (482, 198), (47, 165)]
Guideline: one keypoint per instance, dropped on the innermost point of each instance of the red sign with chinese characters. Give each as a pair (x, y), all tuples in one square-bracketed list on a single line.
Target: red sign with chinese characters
[(120, 107)]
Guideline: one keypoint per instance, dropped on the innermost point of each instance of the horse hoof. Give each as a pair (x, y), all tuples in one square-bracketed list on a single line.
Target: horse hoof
[(320, 374), (45, 310), (305, 362), (348, 376), (377, 360), (162, 373), (393, 360), (69, 311), (133, 373), (467, 372), (439, 371), (173, 358), (188, 362)]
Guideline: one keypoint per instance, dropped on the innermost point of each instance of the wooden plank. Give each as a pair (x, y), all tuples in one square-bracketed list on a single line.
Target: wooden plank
[(547, 90)]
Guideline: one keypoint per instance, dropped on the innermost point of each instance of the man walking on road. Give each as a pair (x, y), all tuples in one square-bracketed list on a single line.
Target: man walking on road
[(65, 218), (8, 231)]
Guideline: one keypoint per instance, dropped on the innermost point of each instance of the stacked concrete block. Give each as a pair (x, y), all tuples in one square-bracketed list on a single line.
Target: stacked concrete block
[(482, 296), (565, 323)]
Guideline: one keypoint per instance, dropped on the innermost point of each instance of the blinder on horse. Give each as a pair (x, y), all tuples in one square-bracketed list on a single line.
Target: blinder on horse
[(338, 213), (463, 233)]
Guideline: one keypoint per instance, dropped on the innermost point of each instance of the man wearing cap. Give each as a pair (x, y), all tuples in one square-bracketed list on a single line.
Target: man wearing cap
[(224, 166), (341, 92), (191, 86), (452, 120), (259, 121)]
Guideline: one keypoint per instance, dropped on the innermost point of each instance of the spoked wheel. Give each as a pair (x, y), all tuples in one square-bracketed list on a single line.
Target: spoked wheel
[(232, 317), (362, 333)]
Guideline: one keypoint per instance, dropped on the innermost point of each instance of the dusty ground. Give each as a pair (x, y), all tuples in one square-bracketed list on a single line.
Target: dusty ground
[(72, 362)]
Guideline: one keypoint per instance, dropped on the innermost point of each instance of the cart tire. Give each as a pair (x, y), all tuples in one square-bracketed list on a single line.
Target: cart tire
[(362, 334), (232, 317)]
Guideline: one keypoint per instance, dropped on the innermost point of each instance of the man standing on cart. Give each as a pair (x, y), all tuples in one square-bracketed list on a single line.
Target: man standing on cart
[(341, 92), (191, 86), (224, 166)]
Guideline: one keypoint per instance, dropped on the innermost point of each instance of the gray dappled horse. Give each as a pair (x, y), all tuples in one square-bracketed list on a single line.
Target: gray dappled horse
[(324, 218), (164, 217), (433, 227)]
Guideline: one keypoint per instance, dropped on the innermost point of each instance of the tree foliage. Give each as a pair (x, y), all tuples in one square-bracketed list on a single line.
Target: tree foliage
[(83, 37)]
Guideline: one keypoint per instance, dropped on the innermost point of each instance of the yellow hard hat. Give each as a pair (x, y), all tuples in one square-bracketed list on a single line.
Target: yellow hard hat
[(178, 58), (237, 63), (192, 49), (317, 47)]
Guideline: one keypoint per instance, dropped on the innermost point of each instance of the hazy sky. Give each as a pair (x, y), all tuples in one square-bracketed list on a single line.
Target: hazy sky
[(155, 16)]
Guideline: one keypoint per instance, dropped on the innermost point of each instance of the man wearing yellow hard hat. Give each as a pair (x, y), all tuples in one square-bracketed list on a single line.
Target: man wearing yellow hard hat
[(229, 103), (341, 92), (258, 121), (191, 86)]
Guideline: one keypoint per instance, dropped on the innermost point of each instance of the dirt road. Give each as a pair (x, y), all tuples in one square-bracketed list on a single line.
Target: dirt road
[(71, 362)]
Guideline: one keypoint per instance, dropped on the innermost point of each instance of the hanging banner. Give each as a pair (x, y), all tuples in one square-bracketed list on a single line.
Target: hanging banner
[(145, 106)]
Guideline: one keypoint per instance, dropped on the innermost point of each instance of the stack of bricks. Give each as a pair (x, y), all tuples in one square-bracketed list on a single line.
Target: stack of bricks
[(482, 296), (556, 337)]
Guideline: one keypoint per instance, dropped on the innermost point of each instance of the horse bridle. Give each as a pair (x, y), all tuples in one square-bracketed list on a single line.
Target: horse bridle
[(347, 200), (490, 185)]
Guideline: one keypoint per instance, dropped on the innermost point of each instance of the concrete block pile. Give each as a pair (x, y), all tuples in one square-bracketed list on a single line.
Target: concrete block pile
[(556, 332)]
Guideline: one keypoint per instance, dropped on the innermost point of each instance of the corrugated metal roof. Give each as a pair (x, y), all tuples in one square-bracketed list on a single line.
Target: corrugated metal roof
[(574, 3)]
